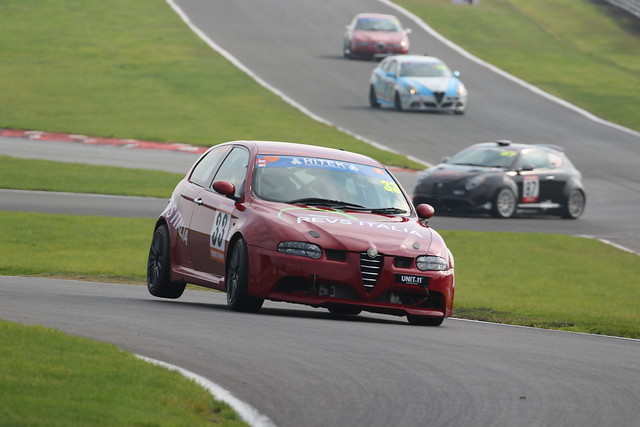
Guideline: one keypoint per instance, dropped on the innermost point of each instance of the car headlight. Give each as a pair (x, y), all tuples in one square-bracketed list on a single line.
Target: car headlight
[(412, 90), (474, 182), (304, 249), (431, 263), (462, 91)]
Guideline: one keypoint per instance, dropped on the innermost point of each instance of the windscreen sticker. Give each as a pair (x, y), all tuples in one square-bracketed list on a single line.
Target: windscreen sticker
[(530, 189), (389, 186), (218, 238), (508, 153), (264, 161)]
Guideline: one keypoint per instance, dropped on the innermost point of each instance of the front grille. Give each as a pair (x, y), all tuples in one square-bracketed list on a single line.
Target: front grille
[(438, 96), (370, 269)]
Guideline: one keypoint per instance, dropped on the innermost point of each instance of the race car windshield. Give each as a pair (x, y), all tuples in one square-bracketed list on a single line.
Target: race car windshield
[(327, 182), (424, 69), (377, 25), (485, 157)]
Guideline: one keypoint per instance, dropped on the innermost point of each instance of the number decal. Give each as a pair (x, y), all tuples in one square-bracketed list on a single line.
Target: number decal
[(390, 186), (530, 189), (219, 234)]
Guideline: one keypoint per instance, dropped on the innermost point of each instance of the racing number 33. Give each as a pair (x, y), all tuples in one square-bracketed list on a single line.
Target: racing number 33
[(218, 234)]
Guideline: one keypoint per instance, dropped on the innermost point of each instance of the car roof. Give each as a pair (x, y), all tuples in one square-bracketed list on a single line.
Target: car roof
[(368, 15), (415, 58), (519, 146), (304, 150)]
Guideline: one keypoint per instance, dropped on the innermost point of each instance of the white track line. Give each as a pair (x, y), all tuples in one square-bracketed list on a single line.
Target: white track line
[(248, 413)]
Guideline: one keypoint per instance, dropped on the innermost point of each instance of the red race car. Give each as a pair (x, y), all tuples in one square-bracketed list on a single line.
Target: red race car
[(302, 224), (375, 35)]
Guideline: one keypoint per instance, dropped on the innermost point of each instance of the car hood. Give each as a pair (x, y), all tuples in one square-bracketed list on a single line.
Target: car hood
[(356, 231), (379, 36), (450, 173), (433, 84)]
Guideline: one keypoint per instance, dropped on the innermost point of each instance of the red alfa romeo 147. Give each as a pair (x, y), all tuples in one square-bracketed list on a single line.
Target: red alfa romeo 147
[(302, 224)]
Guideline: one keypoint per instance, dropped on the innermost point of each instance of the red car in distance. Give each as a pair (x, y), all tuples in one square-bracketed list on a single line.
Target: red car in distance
[(302, 224), (375, 35)]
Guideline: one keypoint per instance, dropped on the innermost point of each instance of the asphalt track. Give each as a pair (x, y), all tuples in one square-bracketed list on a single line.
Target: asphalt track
[(298, 366)]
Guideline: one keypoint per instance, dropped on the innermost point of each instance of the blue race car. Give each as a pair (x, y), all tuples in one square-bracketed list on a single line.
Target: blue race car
[(413, 82)]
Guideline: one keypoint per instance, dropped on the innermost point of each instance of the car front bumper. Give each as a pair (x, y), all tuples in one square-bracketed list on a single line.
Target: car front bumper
[(338, 282)]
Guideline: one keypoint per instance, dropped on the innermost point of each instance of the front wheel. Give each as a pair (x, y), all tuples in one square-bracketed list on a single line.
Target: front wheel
[(373, 99), (504, 204), (159, 281), (574, 205), (237, 278)]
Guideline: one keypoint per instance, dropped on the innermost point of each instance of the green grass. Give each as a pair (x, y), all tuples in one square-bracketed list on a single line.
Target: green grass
[(45, 175), (49, 378), (583, 51), (556, 289), (117, 68)]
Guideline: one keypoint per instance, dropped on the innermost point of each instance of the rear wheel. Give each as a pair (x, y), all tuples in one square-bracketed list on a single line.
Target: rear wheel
[(504, 204), (159, 281), (373, 99), (425, 321), (574, 205), (237, 278), (396, 102)]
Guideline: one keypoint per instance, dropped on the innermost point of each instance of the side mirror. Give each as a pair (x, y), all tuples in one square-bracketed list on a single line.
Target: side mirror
[(225, 188), (445, 159), (456, 73), (390, 74), (425, 211), (527, 167), (407, 30)]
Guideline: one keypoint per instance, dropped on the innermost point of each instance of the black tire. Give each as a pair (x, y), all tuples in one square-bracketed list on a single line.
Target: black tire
[(425, 321), (396, 102), (159, 281), (574, 205), (504, 204), (344, 311), (237, 279), (373, 99)]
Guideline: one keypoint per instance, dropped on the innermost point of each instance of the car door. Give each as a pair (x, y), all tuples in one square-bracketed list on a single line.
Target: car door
[(214, 215), (542, 180), (183, 203), (389, 80)]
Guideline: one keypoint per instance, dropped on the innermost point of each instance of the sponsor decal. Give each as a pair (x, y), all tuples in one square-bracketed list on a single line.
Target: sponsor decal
[(408, 279), (174, 217), (530, 189), (328, 219), (219, 230)]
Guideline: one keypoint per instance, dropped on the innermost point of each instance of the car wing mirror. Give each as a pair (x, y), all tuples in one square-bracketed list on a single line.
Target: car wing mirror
[(407, 30), (526, 167), (225, 188), (456, 73), (445, 159), (425, 211), (390, 74)]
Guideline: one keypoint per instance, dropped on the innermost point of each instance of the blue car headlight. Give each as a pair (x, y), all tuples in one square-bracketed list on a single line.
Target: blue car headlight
[(304, 249), (431, 263)]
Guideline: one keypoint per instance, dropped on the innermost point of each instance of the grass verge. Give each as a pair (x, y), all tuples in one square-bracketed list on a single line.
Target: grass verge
[(45, 175), (556, 290), (53, 379), (583, 51)]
